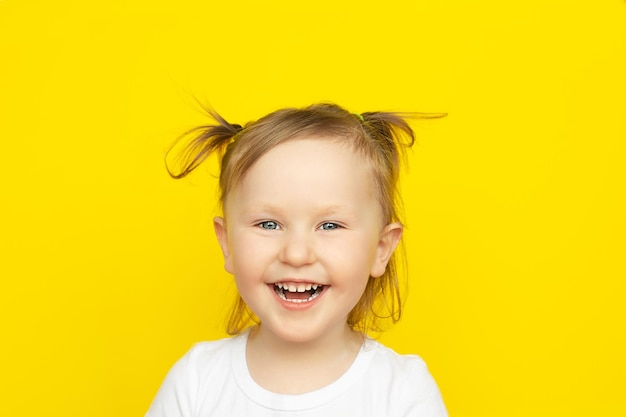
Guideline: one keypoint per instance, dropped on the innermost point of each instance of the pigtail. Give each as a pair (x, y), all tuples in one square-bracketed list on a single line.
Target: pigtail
[(198, 144), (394, 127)]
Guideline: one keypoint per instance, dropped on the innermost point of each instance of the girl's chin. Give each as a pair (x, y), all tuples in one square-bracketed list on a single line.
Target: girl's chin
[(289, 334), (299, 333)]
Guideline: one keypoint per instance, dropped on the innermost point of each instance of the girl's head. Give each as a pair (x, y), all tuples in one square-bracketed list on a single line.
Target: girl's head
[(376, 139)]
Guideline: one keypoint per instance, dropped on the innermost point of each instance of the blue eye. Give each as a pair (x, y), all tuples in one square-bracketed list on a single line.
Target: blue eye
[(329, 226), (269, 225)]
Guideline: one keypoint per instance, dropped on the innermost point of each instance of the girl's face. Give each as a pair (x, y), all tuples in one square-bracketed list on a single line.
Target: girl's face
[(302, 235)]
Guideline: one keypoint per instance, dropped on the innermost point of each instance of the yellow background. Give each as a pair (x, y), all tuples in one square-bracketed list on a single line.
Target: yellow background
[(515, 203)]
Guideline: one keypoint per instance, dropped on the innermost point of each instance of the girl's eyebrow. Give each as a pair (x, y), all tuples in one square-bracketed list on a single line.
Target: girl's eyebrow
[(255, 209), (335, 209)]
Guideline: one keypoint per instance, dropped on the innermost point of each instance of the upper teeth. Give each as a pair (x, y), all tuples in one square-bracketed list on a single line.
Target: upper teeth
[(297, 287)]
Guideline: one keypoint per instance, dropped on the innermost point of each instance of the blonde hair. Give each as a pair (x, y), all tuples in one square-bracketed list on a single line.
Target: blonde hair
[(380, 137)]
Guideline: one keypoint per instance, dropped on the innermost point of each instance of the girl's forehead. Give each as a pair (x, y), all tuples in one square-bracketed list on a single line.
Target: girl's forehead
[(310, 173)]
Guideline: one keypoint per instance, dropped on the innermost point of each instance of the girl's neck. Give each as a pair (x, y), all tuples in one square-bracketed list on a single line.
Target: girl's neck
[(287, 367)]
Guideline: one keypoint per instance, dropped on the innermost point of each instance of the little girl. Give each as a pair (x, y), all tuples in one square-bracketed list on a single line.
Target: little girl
[(309, 231)]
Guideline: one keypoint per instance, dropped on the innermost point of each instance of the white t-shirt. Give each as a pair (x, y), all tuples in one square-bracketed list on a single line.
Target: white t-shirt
[(212, 379)]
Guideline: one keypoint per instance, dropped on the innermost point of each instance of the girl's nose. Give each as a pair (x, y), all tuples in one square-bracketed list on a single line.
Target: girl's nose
[(297, 249)]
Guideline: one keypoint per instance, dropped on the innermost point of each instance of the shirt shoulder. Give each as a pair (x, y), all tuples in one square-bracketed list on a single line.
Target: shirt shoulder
[(198, 371), (203, 353), (412, 389)]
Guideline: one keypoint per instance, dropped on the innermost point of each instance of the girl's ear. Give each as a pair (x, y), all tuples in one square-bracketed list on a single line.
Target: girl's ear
[(389, 239), (222, 237)]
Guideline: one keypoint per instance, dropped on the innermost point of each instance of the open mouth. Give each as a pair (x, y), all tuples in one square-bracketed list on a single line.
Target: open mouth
[(298, 292)]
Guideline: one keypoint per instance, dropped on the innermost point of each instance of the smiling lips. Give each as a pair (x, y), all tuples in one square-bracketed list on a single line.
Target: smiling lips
[(298, 292)]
